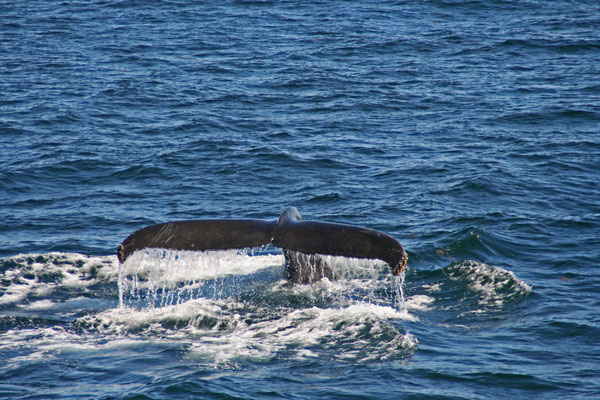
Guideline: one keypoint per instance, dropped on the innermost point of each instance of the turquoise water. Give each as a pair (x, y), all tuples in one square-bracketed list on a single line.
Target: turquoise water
[(468, 130)]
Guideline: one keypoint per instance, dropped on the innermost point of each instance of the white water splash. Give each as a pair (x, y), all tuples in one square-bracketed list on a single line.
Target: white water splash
[(157, 277), (353, 318), (175, 275)]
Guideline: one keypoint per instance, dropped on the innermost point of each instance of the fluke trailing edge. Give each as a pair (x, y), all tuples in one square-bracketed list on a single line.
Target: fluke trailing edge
[(302, 241)]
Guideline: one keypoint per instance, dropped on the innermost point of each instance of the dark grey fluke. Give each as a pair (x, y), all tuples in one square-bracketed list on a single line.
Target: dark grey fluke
[(289, 232)]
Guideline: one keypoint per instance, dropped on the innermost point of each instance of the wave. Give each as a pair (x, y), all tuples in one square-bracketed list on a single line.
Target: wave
[(225, 332), (491, 286), (31, 278), (470, 294)]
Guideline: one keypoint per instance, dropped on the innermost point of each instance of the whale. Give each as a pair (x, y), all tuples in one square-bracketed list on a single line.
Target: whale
[(303, 242)]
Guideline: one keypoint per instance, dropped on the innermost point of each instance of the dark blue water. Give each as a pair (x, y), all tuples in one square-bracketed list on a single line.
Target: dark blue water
[(468, 130)]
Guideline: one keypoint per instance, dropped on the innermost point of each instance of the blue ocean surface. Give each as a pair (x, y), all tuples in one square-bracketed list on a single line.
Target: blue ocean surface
[(467, 130)]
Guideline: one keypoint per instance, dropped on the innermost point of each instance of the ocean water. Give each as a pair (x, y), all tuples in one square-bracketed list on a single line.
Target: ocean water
[(468, 130)]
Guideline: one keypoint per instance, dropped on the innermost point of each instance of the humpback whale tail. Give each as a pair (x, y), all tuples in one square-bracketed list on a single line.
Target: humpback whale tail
[(289, 232)]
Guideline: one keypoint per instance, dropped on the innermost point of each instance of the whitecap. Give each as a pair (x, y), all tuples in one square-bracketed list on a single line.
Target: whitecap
[(492, 286)]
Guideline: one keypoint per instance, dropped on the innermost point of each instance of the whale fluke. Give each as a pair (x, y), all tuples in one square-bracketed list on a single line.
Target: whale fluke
[(199, 235), (289, 232)]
